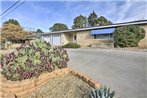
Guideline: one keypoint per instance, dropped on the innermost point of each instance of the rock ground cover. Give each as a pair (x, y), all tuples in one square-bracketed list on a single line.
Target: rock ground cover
[(67, 86)]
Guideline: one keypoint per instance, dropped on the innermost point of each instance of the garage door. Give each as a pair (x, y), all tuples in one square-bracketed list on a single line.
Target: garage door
[(47, 39), (56, 39)]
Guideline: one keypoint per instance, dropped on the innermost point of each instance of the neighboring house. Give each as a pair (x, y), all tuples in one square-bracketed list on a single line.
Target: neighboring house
[(100, 36)]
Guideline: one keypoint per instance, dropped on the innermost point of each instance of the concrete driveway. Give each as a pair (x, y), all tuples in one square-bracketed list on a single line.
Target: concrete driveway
[(123, 71)]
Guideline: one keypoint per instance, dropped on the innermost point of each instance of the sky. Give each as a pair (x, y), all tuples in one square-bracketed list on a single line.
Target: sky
[(35, 14)]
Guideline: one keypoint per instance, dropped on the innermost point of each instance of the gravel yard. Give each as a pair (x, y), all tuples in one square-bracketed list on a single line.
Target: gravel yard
[(67, 86)]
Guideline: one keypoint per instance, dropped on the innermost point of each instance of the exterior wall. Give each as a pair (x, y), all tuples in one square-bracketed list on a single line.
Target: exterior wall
[(143, 42), (85, 39), (66, 38)]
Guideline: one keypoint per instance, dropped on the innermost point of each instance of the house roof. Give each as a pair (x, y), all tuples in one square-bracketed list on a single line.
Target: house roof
[(140, 22)]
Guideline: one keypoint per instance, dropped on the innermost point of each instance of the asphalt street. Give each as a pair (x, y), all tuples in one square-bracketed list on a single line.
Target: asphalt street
[(122, 71)]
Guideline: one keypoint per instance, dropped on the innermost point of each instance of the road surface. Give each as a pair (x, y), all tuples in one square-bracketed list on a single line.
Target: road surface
[(122, 71)]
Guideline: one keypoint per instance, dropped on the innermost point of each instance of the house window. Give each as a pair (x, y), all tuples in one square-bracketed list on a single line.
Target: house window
[(75, 37), (94, 36), (102, 36), (57, 35)]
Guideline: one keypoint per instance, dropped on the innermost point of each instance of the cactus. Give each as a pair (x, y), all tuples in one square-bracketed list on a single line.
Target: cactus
[(102, 92), (32, 59)]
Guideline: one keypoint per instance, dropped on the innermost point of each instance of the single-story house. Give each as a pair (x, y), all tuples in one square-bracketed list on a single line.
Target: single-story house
[(90, 36)]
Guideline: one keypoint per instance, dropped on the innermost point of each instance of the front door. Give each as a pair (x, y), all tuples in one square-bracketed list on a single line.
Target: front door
[(74, 38)]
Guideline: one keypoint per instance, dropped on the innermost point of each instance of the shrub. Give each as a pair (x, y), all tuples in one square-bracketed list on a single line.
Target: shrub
[(71, 45), (32, 59), (128, 36), (102, 92)]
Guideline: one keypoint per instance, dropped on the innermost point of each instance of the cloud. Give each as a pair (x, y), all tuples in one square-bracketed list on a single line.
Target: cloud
[(43, 14), (131, 10), (123, 9)]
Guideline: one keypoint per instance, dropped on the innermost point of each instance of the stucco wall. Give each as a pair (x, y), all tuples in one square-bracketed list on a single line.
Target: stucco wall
[(143, 42), (66, 38)]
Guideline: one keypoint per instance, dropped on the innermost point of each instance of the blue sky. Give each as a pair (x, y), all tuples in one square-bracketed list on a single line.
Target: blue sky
[(43, 14)]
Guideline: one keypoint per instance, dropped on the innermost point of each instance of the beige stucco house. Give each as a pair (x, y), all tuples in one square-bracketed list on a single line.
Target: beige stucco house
[(100, 36)]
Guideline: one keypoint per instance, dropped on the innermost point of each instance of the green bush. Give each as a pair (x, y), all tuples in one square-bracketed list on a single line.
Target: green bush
[(31, 59), (128, 36), (71, 45)]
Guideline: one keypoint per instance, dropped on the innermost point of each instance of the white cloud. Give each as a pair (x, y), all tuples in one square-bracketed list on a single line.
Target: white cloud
[(124, 9), (132, 10)]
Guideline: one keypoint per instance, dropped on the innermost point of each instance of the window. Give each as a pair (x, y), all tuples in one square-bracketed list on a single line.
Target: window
[(102, 36), (94, 36), (56, 35), (75, 37)]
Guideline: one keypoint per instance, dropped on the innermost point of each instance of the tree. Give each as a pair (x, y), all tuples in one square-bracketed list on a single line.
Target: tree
[(39, 31), (92, 19), (128, 36), (13, 32), (12, 21), (103, 21), (58, 27), (79, 22)]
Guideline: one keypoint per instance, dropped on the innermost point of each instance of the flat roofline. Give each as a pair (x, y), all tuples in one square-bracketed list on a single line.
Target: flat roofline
[(141, 22)]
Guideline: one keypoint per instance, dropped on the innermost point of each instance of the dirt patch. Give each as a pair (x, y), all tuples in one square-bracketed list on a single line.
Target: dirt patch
[(67, 86)]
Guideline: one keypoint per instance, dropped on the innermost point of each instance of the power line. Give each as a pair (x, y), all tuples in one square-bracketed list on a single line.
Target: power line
[(10, 7), (14, 9)]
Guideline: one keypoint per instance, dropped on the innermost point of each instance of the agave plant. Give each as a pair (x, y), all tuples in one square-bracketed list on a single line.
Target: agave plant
[(32, 59), (102, 92)]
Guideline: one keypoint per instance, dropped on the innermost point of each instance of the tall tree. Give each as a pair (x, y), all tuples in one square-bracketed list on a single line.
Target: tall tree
[(58, 27), (12, 21), (103, 21), (92, 19), (79, 22)]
